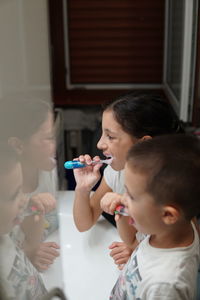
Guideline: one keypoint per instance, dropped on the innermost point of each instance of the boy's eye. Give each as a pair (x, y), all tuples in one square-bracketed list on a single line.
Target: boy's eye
[(128, 195), (131, 197)]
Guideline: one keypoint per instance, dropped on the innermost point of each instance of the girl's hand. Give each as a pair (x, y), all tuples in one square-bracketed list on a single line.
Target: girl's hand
[(87, 177), (120, 253), (45, 255), (110, 201), (44, 202)]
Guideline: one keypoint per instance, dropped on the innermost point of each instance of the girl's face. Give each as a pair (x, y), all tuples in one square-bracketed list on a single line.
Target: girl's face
[(40, 149), (146, 214), (12, 200), (114, 142)]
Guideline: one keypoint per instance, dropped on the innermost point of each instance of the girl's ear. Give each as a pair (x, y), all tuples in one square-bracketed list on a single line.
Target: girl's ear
[(170, 215), (16, 143), (146, 137)]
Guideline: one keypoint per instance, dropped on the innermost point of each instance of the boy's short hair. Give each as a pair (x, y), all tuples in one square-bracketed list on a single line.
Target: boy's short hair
[(172, 166)]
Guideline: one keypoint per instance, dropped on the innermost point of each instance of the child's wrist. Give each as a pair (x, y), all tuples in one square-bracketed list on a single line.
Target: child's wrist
[(83, 189)]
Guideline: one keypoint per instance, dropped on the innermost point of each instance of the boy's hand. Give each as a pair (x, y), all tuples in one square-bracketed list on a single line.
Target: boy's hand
[(43, 202), (110, 201), (45, 255), (120, 253)]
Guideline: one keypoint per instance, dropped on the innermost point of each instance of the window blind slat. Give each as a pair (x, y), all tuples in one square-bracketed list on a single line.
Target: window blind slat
[(115, 41)]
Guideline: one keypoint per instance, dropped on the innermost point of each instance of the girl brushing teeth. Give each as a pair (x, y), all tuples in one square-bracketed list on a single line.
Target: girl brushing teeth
[(128, 120)]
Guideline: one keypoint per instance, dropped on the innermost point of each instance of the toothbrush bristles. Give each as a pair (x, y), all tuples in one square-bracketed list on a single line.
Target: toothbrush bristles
[(103, 161), (107, 161)]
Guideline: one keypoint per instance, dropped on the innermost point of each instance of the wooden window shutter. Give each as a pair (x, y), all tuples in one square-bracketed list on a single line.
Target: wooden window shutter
[(115, 41)]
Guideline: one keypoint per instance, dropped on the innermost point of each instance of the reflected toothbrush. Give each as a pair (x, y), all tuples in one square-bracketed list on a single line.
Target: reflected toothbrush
[(75, 164), (32, 210), (27, 212)]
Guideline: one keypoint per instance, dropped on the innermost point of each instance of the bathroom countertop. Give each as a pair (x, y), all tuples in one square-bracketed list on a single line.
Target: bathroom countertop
[(84, 270)]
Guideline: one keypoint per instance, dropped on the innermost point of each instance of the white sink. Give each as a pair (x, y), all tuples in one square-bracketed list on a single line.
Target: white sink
[(85, 271)]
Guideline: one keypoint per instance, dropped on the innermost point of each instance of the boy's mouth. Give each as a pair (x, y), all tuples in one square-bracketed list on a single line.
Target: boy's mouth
[(19, 217), (131, 221), (17, 220)]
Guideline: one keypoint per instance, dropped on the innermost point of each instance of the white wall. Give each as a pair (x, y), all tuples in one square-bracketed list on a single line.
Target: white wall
[(24, 48)]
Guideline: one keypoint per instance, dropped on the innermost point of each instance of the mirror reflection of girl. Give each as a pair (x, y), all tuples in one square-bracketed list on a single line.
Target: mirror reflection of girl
[(19, 279), (28, 128), (128, 120)]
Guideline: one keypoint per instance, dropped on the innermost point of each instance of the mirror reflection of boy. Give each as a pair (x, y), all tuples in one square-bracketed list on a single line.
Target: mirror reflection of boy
[(20, 280), (162, 178)]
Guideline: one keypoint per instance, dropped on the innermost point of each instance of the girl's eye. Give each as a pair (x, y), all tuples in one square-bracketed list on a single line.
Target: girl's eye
[(110, 137)]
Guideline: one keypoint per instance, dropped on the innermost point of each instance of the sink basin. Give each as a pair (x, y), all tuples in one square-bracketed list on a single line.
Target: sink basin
[(85, 270)]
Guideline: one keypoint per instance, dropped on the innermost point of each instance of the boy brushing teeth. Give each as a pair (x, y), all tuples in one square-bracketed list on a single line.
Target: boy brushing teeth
[(162, 197)]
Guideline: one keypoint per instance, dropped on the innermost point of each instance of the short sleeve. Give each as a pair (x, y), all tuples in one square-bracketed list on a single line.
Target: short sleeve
[(114, 179)]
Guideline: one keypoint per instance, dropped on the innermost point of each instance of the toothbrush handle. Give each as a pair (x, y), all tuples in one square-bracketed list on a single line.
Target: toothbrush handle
[(73, 164)]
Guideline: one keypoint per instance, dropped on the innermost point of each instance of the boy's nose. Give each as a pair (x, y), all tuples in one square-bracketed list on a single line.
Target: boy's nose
[(23, 201), (124, 201)]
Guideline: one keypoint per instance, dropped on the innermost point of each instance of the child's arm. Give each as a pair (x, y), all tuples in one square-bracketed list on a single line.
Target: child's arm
[(33, 229), (87, 210), (126, 231)]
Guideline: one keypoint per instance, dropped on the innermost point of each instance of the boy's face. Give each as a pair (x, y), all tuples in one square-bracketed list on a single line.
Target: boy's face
[(11, 198), (146, 215)]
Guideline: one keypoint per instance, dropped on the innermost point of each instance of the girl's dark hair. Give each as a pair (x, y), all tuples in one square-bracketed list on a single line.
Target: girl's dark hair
[(142, 114), (21, 117)]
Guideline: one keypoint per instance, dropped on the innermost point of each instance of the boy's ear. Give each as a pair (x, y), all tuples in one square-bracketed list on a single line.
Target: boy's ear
[(16, 143), (171, 215)]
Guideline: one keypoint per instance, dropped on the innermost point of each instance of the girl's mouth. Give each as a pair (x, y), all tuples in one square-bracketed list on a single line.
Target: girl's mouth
[(109, 158), (53, 160)]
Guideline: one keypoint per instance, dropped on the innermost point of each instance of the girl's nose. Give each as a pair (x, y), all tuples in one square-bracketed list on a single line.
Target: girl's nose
[(101, 144)]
